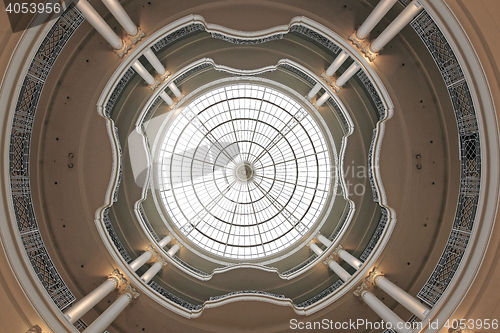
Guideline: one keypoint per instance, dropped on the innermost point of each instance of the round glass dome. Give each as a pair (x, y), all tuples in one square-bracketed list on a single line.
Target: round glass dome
[(244, 171)]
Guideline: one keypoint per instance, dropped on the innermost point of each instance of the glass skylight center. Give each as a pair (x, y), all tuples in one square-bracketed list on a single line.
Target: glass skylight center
[(244, 171)]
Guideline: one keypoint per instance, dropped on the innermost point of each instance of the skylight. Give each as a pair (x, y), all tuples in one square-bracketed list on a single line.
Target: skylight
[(244, 171)]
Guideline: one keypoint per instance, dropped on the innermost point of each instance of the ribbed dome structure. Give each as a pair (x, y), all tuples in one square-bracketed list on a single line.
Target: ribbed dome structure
[(244, 171)]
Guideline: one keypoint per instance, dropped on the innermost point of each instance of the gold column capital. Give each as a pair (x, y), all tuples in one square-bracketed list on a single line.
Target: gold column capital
[(138, 36), (123, 50), (361, 290), (328, 259), (374, 275), (118, 278), (335, 253), (130, 291), (370, 53), (161, 260), (356, 40)]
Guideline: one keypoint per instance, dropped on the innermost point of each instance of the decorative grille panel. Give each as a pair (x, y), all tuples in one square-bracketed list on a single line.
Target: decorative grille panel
[(470, 156), (19, 158), (316, 36), (168, 295), (179, 33), (114, 237)]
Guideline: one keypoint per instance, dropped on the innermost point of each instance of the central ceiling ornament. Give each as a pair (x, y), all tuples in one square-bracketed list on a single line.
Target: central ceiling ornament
[(244, 172)]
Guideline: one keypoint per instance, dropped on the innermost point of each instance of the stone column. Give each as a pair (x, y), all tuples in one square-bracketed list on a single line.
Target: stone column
[(337, 269), (349, 73), (153, 270), (174, 249), (165, 241), (113, 311), (326, 242), (102, 27), (81, 307), (339, 60), (175, 90), (347, 257), (122, 17), (320, 101), (315, 249), (139, 68), (380, 309), (393, 29), (155, 62), (142, 259), (402, 297), (167, 100), (314, 91), (371, 21)]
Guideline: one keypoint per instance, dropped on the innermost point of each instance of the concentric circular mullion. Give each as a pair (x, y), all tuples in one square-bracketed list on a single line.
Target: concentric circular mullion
[(253, 197)]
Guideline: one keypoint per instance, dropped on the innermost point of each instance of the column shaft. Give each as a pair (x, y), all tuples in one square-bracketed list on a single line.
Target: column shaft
[(314, 91), (326, 242), (88, 302), (173, 250), (383, 311), (320, 101), (339, 270), (169, 101), (108, 316), (353, 69), (151, 272), (175, 90), (315, 249), (350, 259), (166, 239), (121, 16), (396, 26), (139, 68), (403, 298), (374, 18), (99, 24), (153, 59), (141, 260), (337, 63)]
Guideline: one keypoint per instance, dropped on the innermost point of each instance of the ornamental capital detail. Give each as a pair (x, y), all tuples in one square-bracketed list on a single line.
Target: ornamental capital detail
[(374, 275), (356, 39), (335, 253), (138, 36), (361, 290), (165, 76), (154, 85), (151, 249), (335, 87), (123, 50), (369, 53), (154, 255), (329, 80), (328, 259), (130, 291), (34, 329), (162, 260), (118, 278)]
